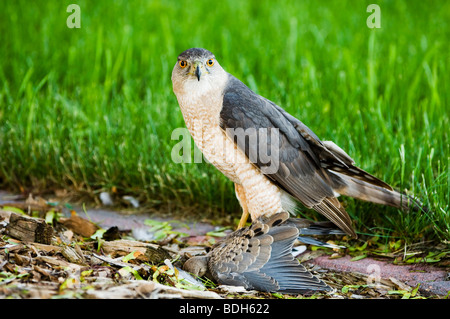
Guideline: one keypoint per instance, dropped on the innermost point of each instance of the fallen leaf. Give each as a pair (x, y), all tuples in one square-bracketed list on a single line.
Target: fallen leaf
[(356, 258), (399, 284), (133, 255), (14, 210)]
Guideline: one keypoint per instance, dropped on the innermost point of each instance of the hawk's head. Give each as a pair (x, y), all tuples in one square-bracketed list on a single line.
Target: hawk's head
[(196, 68)]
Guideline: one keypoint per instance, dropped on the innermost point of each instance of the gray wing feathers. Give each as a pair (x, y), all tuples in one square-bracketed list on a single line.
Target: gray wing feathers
[(290, 274), (309, 169), (259, 257), (301, 174)]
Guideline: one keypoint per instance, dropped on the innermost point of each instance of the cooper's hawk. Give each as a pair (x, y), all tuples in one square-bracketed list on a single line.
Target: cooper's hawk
[(273, 158), (260, 257)]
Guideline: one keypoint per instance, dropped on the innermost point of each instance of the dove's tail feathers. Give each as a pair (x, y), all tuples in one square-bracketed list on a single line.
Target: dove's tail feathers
[(310, 228), (316, 242), (372, 193)]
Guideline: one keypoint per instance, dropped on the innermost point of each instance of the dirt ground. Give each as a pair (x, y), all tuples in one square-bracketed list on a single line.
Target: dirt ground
[(103, 253)]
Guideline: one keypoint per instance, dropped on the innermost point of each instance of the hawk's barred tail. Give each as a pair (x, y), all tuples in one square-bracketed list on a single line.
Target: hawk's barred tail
[(371, 193)]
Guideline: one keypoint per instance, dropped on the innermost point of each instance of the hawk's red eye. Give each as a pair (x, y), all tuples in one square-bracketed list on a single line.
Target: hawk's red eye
[(182, 64), (210, 62)]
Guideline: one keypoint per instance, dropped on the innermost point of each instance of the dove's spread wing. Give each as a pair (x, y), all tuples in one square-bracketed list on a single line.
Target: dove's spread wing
[(259, 257)]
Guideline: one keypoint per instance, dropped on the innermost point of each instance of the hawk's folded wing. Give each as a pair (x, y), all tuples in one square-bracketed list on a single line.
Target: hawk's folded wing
[(298, 156)]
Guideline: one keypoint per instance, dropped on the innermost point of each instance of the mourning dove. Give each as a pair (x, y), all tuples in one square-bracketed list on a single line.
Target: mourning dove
[(259, 257)]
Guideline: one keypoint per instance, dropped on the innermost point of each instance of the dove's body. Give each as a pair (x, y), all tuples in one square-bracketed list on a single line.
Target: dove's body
[(260, 257)]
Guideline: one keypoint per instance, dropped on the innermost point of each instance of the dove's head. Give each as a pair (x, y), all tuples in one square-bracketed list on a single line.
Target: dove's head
[(197, 265)]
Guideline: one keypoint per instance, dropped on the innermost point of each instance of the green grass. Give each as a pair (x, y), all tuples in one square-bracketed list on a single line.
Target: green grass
[(93, 108)]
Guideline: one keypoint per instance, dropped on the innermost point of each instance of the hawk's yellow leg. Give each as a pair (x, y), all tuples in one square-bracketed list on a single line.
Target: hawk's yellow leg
[(240, 194)]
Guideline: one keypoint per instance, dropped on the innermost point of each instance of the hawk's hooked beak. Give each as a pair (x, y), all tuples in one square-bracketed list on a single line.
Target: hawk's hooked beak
[(198, 72)]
